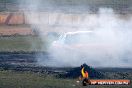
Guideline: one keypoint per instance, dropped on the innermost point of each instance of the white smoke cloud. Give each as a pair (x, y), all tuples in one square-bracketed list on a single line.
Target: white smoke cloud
[(112, 46)]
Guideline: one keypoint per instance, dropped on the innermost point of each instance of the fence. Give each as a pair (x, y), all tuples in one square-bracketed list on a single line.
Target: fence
[(11, 18)]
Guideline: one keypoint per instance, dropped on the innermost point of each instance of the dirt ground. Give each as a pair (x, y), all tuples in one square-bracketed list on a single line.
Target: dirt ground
[(12, 30)]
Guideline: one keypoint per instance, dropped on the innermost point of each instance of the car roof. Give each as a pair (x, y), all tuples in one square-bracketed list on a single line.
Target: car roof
[(78, 32)]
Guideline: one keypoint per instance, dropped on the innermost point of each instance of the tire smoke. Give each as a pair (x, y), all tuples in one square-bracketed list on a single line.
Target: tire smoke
[(112, 46)]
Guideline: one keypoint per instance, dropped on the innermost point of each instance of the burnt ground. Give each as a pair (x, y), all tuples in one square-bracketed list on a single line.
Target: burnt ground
[(26, 61)]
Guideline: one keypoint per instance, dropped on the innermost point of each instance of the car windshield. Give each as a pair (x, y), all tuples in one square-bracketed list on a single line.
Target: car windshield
[(80, 38)]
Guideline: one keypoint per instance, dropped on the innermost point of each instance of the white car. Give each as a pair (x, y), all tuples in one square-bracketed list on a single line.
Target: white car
[(76, 48)]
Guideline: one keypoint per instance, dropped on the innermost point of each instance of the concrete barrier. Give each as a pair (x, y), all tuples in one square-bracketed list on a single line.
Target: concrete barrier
[(49, 19), (46, 18)]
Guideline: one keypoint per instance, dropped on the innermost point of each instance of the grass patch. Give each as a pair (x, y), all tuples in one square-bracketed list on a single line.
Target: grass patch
[(9, 79), (12, 79), (22, 43)]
